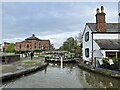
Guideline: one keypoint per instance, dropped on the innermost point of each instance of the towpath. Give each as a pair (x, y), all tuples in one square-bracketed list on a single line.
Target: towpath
[(19, 65)]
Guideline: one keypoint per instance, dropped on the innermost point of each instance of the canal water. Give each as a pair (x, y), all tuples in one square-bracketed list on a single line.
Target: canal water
[(70, 76)]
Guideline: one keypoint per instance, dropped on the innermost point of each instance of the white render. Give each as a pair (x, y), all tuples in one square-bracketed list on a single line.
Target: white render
[(1, 47), (96, 49), (105, 36), (87, 44)]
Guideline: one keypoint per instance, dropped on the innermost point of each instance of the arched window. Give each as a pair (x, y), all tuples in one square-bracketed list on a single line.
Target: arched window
[(86, 36), (27, 46), (35, 45), (87, 52), (20, 46)]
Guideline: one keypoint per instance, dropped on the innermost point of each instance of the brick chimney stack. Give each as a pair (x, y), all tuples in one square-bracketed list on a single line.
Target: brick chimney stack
[(33, 35), (100, 20)]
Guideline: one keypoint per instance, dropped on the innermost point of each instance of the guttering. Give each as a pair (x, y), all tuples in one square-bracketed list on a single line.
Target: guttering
[(106, 32)]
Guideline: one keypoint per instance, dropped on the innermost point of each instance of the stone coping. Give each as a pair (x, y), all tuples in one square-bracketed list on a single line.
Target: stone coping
[(18, 73), (106, 72)]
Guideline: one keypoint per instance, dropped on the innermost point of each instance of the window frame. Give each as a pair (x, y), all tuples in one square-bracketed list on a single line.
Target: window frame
[(86, 52), (87, 36)]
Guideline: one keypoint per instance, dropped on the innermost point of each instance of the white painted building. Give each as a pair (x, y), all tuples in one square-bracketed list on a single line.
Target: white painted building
[(1, 47), (101, 39)]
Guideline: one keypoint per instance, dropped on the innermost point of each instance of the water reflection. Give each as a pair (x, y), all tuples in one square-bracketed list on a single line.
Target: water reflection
[(69, 66), (99, 81), (70, 76)]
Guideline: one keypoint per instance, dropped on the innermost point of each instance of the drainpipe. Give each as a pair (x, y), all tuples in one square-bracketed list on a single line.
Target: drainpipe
[(93, 63), (116, 55)]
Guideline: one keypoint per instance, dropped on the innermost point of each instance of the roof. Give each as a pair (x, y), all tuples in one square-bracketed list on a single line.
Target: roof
[(108, 44), (6, 43), (32, 38), (45, 40), (110, 27), (24, 42)]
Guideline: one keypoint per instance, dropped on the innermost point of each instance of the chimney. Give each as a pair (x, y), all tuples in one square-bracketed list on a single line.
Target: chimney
[(33, 35), (100, 20)]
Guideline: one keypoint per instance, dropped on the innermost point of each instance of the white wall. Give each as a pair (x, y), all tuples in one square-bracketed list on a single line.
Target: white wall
[(105, 36), (1, 46), (96, 49), (87, 44)]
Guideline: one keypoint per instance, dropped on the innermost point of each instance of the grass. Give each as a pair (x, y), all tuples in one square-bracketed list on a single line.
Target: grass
[(29, 63), (36, 57)]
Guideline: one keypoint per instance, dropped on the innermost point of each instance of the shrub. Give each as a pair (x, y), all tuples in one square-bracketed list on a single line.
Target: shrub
[(105, 60)]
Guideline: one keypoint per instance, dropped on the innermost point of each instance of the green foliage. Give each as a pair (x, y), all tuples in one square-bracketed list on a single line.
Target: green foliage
[(21, 52), (70, 54), (105, 60), (69, 44), (115, 60), (72, 45), (28, 63), (10, 48), (37, 50)]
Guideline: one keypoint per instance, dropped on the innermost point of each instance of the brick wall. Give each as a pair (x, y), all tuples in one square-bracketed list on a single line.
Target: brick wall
[(33, 45), (100, 20)]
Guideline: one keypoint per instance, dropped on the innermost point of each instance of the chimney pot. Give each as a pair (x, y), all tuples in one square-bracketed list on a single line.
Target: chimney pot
[(102, 9), (33, 35), (98, 11), (100, 20)]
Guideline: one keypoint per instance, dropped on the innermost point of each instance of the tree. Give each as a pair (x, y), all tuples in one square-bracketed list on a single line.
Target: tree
[(10, 48), (69, 44), (73, 45)]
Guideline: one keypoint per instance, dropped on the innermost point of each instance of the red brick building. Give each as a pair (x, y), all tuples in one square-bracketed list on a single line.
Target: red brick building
[(33, 43)]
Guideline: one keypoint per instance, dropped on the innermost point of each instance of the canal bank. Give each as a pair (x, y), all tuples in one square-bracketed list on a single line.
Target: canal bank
[(20, 68), (69, 76), (106, 72)]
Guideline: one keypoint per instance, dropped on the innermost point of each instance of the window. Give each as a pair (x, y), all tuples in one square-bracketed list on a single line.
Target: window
[(86, 36), (35, 45), (111, 54), (87, 52), (20, 46), (27, 46), (39, 43)]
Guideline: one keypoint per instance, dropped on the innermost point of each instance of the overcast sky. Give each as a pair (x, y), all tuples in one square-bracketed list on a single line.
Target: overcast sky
[(50, 20)]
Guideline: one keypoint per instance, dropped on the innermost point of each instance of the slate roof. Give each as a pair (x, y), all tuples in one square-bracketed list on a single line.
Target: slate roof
[(32, 38), (108, 44), (110, 27), (25, 41), (6, 43)]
